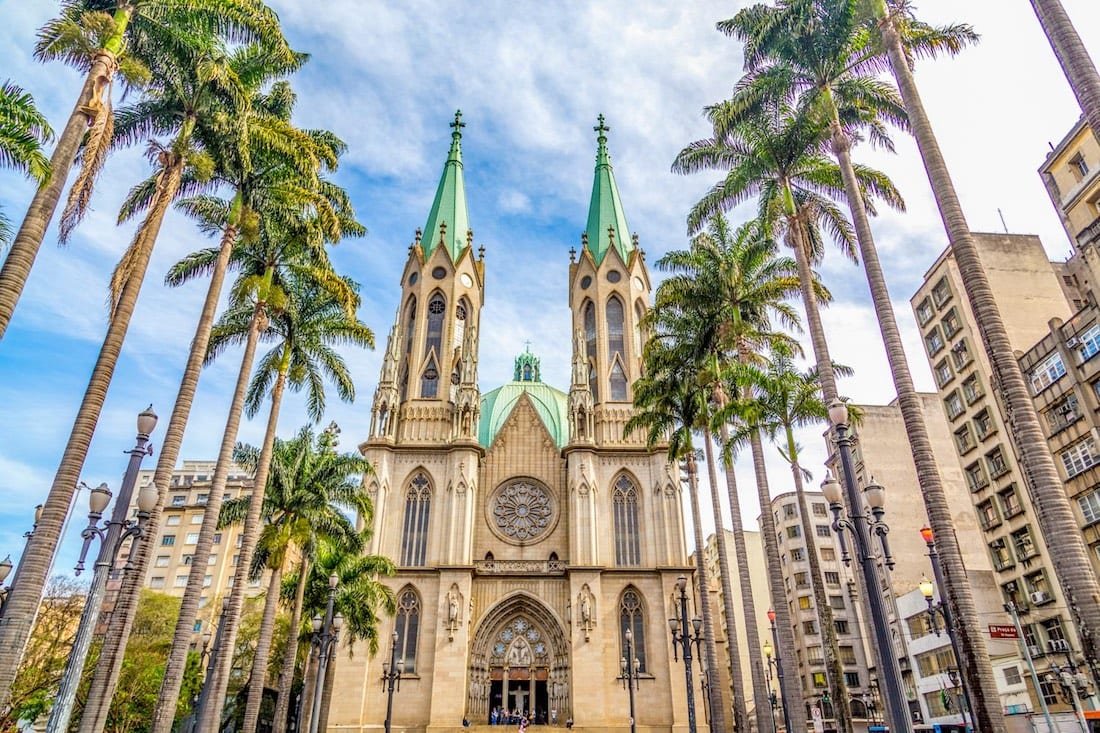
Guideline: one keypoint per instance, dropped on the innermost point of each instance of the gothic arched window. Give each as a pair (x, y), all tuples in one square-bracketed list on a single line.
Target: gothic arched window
[(414, 533), (639, 314), (429, 380), (624, 499), (631, 617), (462, 313), (408, 628), (618, 381), (433, 339), (615, 349), (410, 329), (590, 346)]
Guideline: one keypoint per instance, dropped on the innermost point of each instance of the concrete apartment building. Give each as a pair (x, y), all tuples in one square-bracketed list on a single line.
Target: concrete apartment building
[(1071, 174)]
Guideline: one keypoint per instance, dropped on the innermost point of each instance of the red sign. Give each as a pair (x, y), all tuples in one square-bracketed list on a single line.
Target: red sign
[(1001, 631)]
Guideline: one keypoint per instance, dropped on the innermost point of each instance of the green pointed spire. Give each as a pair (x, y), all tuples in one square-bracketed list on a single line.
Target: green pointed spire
[(449, 220), (606, 220)]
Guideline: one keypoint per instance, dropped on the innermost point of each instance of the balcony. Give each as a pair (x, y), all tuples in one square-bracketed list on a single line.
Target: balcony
[(1089, 234), (519, 567)]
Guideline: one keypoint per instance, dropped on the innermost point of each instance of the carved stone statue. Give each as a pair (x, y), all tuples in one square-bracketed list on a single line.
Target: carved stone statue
[(586, 605), (454, 611)]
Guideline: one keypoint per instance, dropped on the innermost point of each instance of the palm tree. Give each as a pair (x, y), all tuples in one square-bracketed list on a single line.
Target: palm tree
[(1073, 57), (1056, 519), (360, 598), (309, 325), (286, 248), (199, 82), (257, 154), (738, 284), (102, 38), (310, 487), (23, 132), (816, 54), (669, 407)]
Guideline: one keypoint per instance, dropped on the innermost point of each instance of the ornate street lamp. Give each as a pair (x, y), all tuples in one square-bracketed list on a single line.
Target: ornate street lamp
[(326, 632), (681, 634), (391, 679), (6, 564), (111, 536), (861, 524), (771, 648), (629, 668)]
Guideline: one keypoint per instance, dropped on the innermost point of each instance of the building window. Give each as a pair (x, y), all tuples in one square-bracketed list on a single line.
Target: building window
[(429, 380), (804, 603), (414, 536), (201, 499), (801, 580), (617, 382), (943, 373), (828, 554), (983, 424), (933, 341), (953, 405), (941, 292), (832, 577), (918, 626), (1024, 544), (157, 581), (951, 323), (960, 354), (819, 510), (1079, 457), (822, 530), (972, 389), (851, 679), (789, 511), (631, 617), (964, 439), (179, 500), (217, 538), (408, 628), (1056, 635), (181, 581), (1002, 558), (975, 476), (624, 500), (847, 655), (192, 538), (162, 561), (1012, 675), (1049, 690), (924, 312), (433, 339), (168, 540), (188, 559), (797, 554), (615, 349), (590, 347), (794, 531), (1090, 506), (1063, 413), (995, 459), (809, 627), (836, 603), (988, 515), (196, 518), (1010, 502), (1079, 167), (1088, 342), (841, 626), (819, 680), (1047, 372), (1037, 583)]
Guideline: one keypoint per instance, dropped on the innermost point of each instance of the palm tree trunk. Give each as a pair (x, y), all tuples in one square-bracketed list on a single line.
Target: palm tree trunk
[(1073, 57), (792, 683), (309, 681), (105, 679), (800, 242), (761, 699), (251, 533), (263, 651), (717, 711), (290, 654), (168, 697), (1071, 563), (17, 265), (976, 664), (22, 604), (737, 687), (838, 688)]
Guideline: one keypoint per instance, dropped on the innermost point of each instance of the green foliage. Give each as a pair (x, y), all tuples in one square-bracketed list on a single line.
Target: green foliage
[(23, 132)]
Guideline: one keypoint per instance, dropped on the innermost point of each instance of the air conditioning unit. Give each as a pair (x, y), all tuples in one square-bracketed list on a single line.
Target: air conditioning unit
[(1072, 341), (1035, 650), (1040, 597), (1011, 586)]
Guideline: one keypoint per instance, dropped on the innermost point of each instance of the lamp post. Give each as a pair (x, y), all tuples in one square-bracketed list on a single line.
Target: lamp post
[(943, 610), (1074, 684), (6, 564), (325, 634), (861, 524), (391, 679), (769, 648), (682, 635), (630, 666), (211, 664), (111, 536)]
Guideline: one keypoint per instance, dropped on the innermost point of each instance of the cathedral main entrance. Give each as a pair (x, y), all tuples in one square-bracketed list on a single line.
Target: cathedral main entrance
[(519, 665)]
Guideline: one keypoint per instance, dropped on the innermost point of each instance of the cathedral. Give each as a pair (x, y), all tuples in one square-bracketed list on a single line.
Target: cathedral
[(530, 531)]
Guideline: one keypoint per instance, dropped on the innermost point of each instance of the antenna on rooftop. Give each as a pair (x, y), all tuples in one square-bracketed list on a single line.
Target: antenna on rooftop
[(1002, 215)]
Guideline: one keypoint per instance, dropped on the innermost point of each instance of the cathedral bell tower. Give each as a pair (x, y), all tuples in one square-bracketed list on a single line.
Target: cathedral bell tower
[(427, 392), (609, 291)]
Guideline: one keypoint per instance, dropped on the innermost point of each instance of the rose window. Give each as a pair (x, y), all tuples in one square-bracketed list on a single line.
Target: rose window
[(522, 510)]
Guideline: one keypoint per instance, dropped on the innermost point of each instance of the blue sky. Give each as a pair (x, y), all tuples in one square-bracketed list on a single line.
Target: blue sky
[(530, 79)]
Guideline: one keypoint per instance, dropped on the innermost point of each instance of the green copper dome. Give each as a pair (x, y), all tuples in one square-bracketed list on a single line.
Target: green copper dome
[(606, 219), (551, 405), (449, 220)]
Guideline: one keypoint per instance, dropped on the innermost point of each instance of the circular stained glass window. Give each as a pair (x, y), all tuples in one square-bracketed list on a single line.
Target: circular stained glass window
[(507, 635), (521, 511), (585, 282), (498, 648), (436, 306), (540, 648), (614, 276), (439, 273)]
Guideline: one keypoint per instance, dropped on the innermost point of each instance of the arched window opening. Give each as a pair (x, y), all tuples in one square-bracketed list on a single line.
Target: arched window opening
[(632, 618), (624, 499), (618, 381), (433, 339), (614, 327), (462, 312), (639, 314), (410, 325), (429, 380), (590, 346), (414, 534), (408, 628)]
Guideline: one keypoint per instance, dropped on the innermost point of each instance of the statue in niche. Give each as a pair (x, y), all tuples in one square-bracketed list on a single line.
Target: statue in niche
[(520, 654), (586, 604), (454, 611)]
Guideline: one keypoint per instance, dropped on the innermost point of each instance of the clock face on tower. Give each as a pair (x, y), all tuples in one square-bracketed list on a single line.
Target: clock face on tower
[(466, 280)]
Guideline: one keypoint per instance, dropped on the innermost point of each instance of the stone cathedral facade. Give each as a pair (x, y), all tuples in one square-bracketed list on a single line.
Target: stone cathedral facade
[(529, 531)]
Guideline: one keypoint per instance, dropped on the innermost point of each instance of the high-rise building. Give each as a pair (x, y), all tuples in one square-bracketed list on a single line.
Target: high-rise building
[(530, 531)]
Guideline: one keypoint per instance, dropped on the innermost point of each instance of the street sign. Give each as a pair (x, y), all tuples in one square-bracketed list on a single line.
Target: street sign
[(1003, 631), (819, 724)]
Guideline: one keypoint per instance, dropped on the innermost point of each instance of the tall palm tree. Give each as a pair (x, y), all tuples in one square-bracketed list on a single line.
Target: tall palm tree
[(360, 598), (23, 132), (196, 82), (669, 407), (306, 329), (1073, 57), (817, 54), (1056, 519), (738, 284), (257, 154), (102, 39), (286, 248), (309, 490)]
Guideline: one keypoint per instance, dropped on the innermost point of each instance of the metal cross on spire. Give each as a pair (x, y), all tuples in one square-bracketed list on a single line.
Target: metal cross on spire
[(601, 128), (458, 124)]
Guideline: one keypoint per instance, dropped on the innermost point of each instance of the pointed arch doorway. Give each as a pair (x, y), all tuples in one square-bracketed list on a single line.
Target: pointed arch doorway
[(520, 662)]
